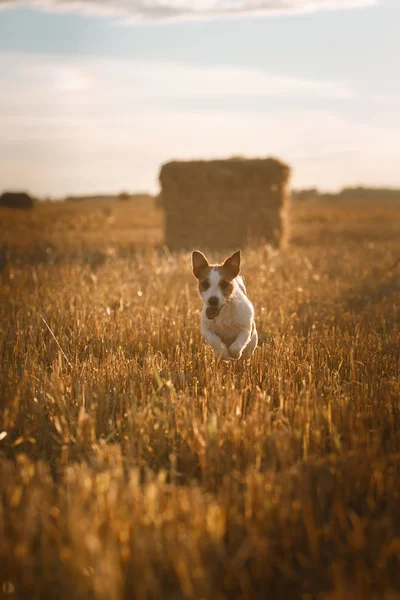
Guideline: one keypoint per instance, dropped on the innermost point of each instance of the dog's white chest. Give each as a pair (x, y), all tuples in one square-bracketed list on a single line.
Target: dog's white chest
[(229, 322), (225, 327)]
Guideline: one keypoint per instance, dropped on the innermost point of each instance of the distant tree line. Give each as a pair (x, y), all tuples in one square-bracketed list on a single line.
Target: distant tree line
[(23, 200), (348, 193)]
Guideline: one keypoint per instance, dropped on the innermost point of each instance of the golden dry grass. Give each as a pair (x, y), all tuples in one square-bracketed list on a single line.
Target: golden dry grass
[(133, 465)]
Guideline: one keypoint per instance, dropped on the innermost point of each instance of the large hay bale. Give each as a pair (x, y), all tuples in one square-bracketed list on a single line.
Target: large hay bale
[(16, 200), (224, 204)]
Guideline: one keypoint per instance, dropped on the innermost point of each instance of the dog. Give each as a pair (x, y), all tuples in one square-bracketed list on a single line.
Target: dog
[(227, 317)]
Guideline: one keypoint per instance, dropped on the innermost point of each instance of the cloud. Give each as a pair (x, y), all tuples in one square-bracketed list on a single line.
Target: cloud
[(135, 81), (73, 125), (59, 155), (172, 10)]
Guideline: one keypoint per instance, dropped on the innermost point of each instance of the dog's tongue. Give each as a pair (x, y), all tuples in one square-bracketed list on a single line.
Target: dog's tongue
[(212, 312)]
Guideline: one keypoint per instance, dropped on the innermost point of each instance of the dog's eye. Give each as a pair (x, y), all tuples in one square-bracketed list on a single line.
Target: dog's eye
[(204, 285), (224, 285)]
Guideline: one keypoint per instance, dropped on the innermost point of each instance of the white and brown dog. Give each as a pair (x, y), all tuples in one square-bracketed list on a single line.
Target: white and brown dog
[(227, 318)]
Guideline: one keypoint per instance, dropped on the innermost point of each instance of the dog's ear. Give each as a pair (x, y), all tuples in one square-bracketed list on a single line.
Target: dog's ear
[(232, 265), (199, 262)]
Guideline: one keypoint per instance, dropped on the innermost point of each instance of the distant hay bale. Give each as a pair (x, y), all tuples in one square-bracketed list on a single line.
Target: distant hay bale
[(224, 203), (16, 200)]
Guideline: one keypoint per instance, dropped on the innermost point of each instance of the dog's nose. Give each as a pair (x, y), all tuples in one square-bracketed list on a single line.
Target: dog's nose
[(213, 301)]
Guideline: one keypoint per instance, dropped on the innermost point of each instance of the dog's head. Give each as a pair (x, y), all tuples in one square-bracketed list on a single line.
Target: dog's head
[(216, 282)]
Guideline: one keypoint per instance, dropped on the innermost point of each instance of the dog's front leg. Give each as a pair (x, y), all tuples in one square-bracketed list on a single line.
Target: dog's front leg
[(220, 349), (251, 346), (243, 338)]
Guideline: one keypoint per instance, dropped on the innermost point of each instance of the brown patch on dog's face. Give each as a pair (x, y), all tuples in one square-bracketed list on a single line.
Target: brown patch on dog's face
[(228, 271), (225, 284), (204, 282), (201, 270)]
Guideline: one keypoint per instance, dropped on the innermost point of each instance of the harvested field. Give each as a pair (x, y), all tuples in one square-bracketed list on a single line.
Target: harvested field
[(133, 465)]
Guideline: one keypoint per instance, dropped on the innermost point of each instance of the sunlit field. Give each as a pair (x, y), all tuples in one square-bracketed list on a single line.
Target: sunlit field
[(133, 464)]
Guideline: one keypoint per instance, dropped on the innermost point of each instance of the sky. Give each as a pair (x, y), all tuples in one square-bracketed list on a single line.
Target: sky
[(95, 95)]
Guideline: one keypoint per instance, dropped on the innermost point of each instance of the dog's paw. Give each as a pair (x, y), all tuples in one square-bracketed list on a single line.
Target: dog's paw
[(222, 352), (225, 355), (235, 351), (247, 355)]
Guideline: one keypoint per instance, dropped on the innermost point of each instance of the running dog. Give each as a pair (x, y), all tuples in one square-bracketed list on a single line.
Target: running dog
[(227, 317)]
